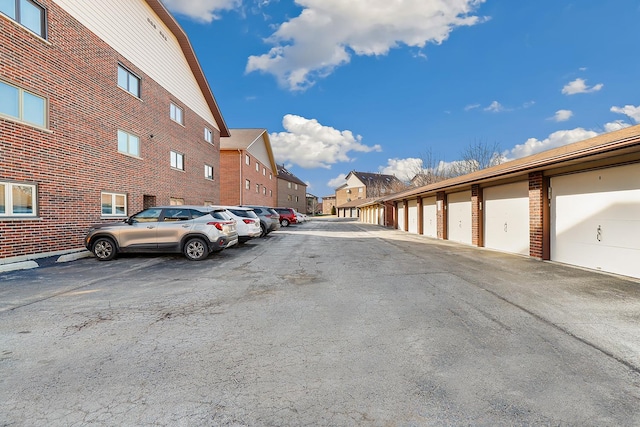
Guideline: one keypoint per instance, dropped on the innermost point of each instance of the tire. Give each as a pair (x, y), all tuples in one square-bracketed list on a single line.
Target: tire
[(284, 222), (104, 249), (263, 230), (195, 249)]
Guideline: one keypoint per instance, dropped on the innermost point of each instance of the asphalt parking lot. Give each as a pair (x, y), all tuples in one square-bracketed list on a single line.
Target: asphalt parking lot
[(331, 323)]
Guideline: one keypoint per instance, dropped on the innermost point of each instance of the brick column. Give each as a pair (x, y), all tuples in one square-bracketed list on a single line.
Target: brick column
[(405, 203), (395, 215), (539, 216), (477, 217), (441, 214), (420, 218)]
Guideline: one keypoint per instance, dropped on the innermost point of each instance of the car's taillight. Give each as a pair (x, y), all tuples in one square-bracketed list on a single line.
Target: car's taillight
[(217, 225), (249, 221)]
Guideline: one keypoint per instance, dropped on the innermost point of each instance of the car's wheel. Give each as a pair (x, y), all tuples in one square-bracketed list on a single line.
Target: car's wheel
[(195, 249), (284, 222), (104, 249), (263, 230)]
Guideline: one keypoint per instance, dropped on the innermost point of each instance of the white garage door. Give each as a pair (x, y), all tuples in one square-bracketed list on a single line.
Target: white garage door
[(413, 216), (459, 217), (506, 217), (429, 217), (595, 220), (401, 216)]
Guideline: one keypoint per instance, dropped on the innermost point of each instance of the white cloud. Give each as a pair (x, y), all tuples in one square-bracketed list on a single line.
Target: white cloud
[(201, 10), (495, 107), (556, 139), (562, 115), (617, 125), (309, 144), (628, 110), (580, 86), (327, 32), (337, 181), (471, 107), (403, 169)]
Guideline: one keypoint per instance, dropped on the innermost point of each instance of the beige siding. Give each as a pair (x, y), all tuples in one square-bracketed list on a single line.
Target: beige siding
[(132, 29), (258, 150)]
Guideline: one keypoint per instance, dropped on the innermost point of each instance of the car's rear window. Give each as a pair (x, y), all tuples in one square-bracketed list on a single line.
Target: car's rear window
[(220, 215), (243, 213)]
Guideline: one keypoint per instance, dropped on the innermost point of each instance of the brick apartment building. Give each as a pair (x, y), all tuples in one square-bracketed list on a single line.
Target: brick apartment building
[(104, 111), (292, 191), (247, 169)]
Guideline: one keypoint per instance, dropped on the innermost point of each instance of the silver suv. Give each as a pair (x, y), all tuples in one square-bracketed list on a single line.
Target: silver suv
[(195, 231)]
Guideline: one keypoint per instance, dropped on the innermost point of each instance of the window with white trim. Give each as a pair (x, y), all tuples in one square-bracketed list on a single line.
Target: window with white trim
[(208, 135), (17, 199), (17, 103), (264, 191), (257, 167), (288, 185), (208, 171), (27, 13), (176, 201), (247, 184), (257, 188), (177, 160), (295, 186), (264, 172), (128, 81), (128, 143), (176, 114), (247, 159), (113, 204)]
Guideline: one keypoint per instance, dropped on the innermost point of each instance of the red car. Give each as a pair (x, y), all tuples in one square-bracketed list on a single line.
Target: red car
[(287, 216)]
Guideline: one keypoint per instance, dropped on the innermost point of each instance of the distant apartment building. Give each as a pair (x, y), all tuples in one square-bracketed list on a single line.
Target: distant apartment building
[(248, 169), (104, 110), (291, 190)]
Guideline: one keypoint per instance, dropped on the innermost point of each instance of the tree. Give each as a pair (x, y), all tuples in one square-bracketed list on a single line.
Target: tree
[(428, 170), (478, 155)]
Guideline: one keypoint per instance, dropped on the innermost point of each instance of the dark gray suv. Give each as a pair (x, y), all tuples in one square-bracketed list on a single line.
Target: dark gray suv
[(269, 218), (194, 231)]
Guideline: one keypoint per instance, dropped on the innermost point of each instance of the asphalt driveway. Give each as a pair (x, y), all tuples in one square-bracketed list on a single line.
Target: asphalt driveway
[(326, 323)]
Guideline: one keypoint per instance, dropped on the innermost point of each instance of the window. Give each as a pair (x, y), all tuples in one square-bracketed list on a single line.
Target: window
[(26, 12), (19, 104), (270, 175), (288, 185), (297, 199), (289, 197), (257, 188), (17, 199), (360, 190), (295, 186), (208, 172), (177, 160), (175, 201), (264, 191), (247, 160), (247, 184), (128, 81), (113, 204), (270, 193), (208, 135), (128, 144), (176, 113), (264, 172)]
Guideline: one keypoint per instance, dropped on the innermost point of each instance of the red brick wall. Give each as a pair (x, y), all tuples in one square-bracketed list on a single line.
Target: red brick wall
[(230, 177), (441, 215), (539, 230), (477, 218), (76, 157)]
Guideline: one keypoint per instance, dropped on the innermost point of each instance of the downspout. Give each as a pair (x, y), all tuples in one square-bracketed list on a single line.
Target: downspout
[(241, 183)]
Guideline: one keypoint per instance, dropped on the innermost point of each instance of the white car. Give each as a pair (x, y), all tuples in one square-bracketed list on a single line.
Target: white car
[(300, 217), (247, 222)]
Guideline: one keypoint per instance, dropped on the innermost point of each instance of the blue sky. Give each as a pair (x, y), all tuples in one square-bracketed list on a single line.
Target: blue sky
[(374, 85)]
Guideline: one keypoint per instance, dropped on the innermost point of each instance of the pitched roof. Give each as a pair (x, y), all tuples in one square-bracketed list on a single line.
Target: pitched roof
[(192, 60), (284, 174), (623, 141), (243, 139), (377, 179), (240, 139)]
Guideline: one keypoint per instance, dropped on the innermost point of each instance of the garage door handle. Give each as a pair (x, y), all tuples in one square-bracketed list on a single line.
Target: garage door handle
[(599, 234)]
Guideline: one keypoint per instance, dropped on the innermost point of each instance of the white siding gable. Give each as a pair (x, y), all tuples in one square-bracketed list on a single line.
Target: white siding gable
[(258, 150), (132, 29)]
